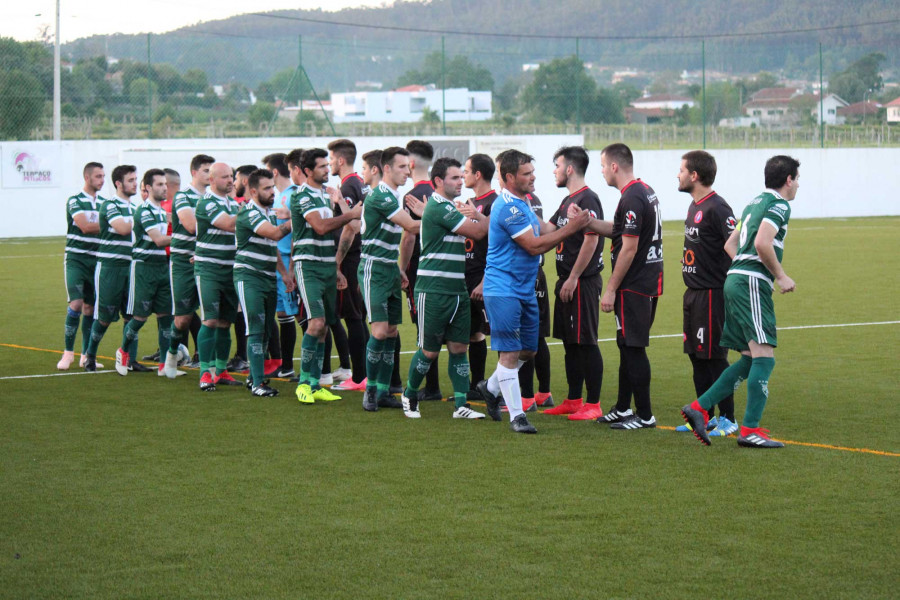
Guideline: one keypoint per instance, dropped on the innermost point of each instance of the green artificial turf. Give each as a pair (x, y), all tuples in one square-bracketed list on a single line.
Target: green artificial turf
[(146, 488)]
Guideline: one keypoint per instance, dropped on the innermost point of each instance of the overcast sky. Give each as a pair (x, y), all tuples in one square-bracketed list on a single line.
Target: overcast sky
[(82, 18)]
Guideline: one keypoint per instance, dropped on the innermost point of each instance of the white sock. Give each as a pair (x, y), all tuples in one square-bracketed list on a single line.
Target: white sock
[(493, 384), (512, 393)]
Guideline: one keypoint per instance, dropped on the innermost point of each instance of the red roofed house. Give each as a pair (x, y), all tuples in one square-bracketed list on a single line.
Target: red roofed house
[(654, 109), (893, 111), (858, 112), (772, 106)]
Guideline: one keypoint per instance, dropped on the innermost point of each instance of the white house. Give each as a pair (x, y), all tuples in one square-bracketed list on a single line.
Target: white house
[(831, 103), (406, 105), (893, 111), (667, 101)]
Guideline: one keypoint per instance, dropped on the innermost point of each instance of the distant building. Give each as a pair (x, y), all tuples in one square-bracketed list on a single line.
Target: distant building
[(670, 101), (893, 111), (656, 109), (772, 106), (858, 112), (832, 104), (408, 104)]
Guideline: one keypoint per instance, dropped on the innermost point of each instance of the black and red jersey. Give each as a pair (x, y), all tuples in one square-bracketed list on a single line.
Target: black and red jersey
[(422, 189), (354, 191), (568, 249), (637, 215), (476, 250), (709, 222)]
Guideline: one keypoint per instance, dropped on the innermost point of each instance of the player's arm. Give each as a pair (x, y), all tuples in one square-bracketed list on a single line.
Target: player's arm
[(407, 243), (585, 254), (158, 238), (474, 231), (322, 225), (348, 234), (604, 228), (765, 249), (547, 227), (731, 244), (273, 232), (81, 222), (535, 245), (187, 219), (225, 222), (286, 276), (623, 262), (120, 225), (402, 218)]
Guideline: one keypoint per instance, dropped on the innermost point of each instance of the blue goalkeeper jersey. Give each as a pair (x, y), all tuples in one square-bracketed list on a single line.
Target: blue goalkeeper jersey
[(511, 270)]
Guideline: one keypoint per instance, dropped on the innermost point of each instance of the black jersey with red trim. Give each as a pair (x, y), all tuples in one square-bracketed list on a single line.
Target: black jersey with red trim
[(567, 251), (538, 209), (422, 190), (704, 262), (476, 250), (354, 190), (637, 215)]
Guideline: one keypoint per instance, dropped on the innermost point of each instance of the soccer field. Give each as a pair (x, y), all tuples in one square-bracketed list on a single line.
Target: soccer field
[(142, 487)]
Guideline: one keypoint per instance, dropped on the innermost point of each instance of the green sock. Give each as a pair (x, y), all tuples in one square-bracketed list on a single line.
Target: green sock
[(72, 319), (164, 336), (373, 360), (87, 323), (130, 334), (386, 370), (223, 348), (758, 390), (458, 368), (206, 348), (174, 339), (727, 383), (256, 357), (98, 330), (418, 367), (316, 372), (308, 348)]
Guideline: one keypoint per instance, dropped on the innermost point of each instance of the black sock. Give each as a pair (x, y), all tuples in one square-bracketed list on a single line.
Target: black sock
[(477, 360), (288, 334), (592, 367), (240, 337), (526, 379), (395, 375), (326, 361), (274, 340), (638, 372), (542, 366), (574, 371), (196, 323), (623, 401), (357, 338), (715, 367), (432, 382), (339, 335), (701, 379)]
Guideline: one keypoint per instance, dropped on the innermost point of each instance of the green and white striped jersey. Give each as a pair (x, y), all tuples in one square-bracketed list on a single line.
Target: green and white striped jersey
[(380, 236), (256, 256), (78, 242), (183, 240), (149, 216), (115, 249), (306, 244), (442, 261), (768, 207), (215, 248)]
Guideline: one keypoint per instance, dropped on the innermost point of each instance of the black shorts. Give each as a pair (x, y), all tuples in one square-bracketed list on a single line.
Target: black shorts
[(479, 322), (576, 322), (543, 299), (350, 305), (411, 271), (704, 317), (634, 318)]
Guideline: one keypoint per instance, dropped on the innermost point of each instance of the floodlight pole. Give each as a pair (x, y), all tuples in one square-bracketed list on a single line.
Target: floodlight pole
[(443, 89), (703, 88), (57, 113)]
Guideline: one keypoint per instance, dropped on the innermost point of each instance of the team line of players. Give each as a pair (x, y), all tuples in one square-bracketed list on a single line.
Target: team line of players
[(470, 269)]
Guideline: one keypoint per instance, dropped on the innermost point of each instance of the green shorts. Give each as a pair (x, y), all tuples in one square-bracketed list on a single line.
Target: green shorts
[(442, 318), (79, 273), (380, 286), (749, 313), (149, 292), (185, 300), (111, 282), (317, 286), (257, 301), (218, 300)]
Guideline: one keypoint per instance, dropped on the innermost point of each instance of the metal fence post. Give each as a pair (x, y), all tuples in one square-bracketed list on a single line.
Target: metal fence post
[(149, 93), (703, 85), (443, 89), (578, 86)]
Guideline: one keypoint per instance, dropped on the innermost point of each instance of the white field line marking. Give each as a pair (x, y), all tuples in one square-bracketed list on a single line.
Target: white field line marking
[(59, 374)]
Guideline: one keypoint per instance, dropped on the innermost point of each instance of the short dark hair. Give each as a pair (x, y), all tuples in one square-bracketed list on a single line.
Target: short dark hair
[(200, 160), (576, 156), (309, 157), (388, 154), (441, 166), (499, 158), (293, 158), (620, 154), (482, 163), (89, 168), (345, 149), (256, 175), (119, 173), (703, 163), (276, 161), (511, 161), (778, 169), (373, 159), (421, 148), (150, 174), (171, 173), (245, 170)]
